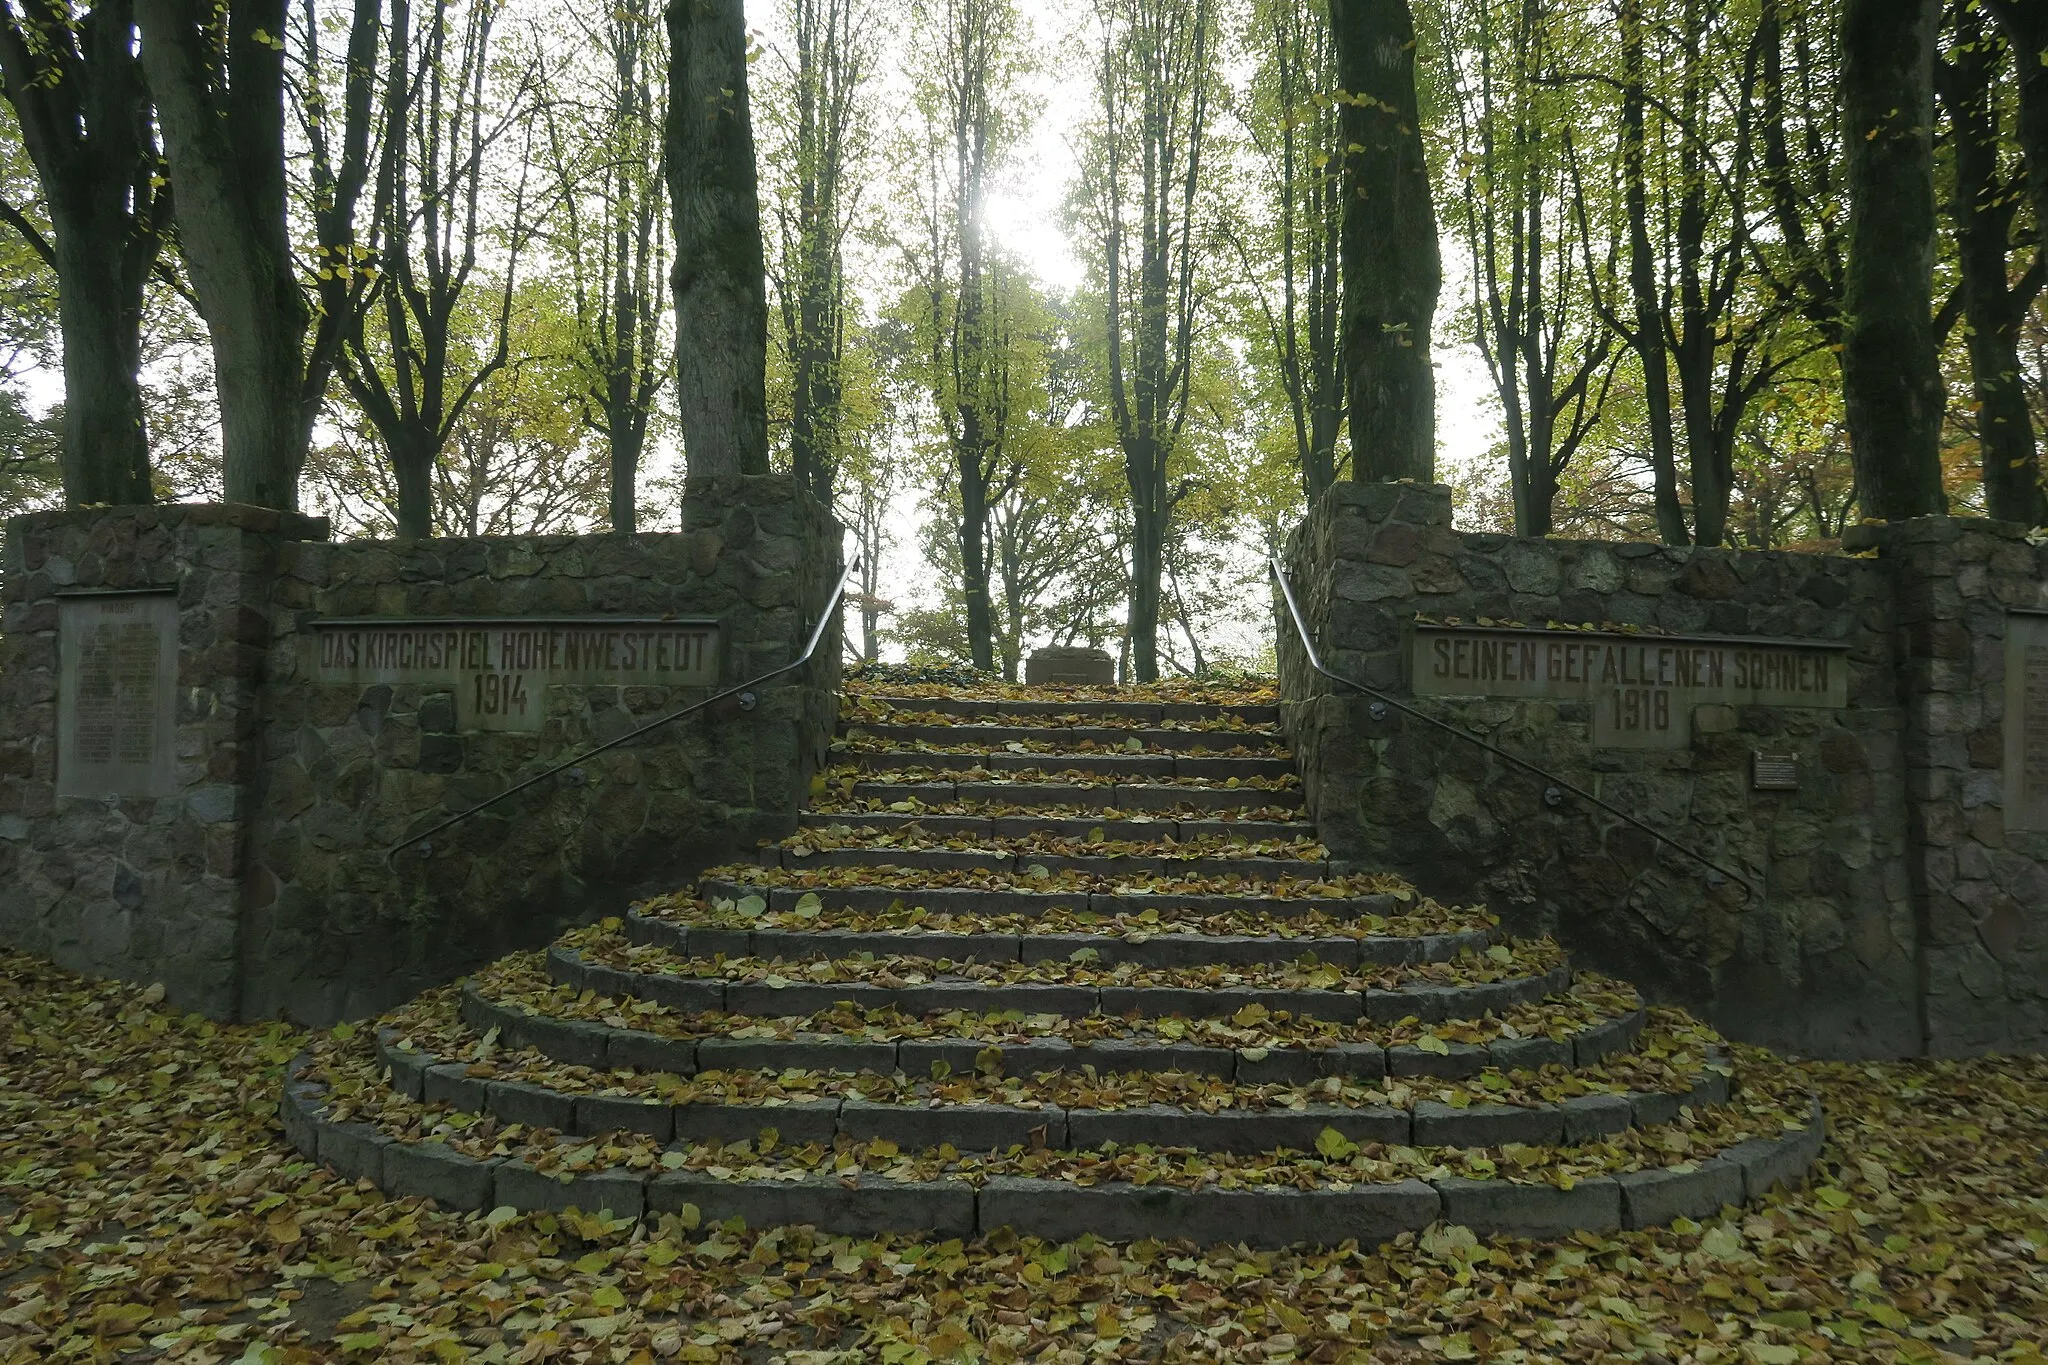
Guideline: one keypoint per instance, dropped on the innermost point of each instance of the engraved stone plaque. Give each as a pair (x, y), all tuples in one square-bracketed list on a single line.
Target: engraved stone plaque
[(1643, 688), (117, 694), (2026, 724), (499, 669)]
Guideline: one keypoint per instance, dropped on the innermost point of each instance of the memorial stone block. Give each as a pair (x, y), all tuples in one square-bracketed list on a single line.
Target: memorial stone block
[(1076, 665)]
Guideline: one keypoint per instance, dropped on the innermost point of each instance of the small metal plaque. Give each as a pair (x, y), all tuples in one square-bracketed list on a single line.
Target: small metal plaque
[(117, 694), (2026, 724), (1774, 772), (499, 670)]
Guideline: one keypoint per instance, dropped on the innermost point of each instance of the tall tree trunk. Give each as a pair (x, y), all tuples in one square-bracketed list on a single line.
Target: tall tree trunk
[(83, 109), (1982, 208), (1891, 378), (1647, 336), (631, 377), (719, 277), (829, 69), (106, 451), (2025, 23), (1157, 75), (219, 91), (1392, 270), (427, 228)]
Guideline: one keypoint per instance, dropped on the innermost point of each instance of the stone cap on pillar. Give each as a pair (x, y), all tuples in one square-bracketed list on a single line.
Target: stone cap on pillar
[(1071, 664)]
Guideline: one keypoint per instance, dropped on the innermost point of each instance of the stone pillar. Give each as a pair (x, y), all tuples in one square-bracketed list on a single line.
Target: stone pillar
[(144, 887), (1981, 891)]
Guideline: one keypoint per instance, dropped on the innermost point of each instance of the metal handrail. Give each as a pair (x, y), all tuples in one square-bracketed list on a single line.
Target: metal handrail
[(744, 691), (1557, 783)]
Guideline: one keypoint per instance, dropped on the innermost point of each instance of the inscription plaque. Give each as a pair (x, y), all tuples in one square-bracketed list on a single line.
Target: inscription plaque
[(2026, 724), (499, 669), (1774, 772), (117, 694), (1643, 688)]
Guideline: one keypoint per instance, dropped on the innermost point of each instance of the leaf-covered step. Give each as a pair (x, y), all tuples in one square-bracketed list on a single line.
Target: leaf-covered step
[(932, 857), (1097, 839), (1591, 1020), (914, 790), (335, 1109), (971, 888), (744, 1044), (982, 1110), (1080, 708), (811, 930), (1124, 767), (868, 711), (1057, 739), (1076, 822), (604, 961)]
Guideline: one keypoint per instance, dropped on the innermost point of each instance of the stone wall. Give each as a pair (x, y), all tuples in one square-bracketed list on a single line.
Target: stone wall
[(264, 887), (1890, 914)]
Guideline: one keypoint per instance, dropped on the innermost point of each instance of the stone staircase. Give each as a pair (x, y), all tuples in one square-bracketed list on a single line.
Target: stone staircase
[(1065, 961)]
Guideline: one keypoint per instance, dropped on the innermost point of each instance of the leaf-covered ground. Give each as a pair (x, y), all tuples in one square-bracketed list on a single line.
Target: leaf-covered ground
[(154, 1212)]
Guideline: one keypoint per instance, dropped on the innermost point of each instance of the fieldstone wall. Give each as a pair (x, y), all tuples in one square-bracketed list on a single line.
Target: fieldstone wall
[(1891, 913), (148, 889), (265, 888)]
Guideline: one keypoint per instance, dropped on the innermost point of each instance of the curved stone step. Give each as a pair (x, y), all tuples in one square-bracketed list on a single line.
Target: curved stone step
[(866, 1203), (1256, 866), (764, 997), (971, 900), (1249, 714), (996, 736), (1129, 796), (1113, 823), (974, 1126), (1125, 767), (610, 1047), (1155, 949)]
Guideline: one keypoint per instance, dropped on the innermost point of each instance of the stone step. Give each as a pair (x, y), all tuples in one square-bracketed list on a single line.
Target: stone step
[(407, 1150), (528, 1088), (996, 860), (1125, 767), (751, 987), (995, 710), (1129, 796), (1112, 946), (1114, 824), (882, 895), (1063, 739), (607, 1047)]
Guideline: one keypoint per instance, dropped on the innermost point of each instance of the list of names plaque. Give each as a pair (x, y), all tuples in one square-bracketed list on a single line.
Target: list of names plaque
[(117, 662), (2026, 724)]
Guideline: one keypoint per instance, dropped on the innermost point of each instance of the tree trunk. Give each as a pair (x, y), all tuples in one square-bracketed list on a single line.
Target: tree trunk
[(626, 445), (81, 104), (720, 277), (1981, 207), (224, 142), (2025, 23), (106, 451), (1648, 335), (1148, 553), (1891, 378), (1392, 270)]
